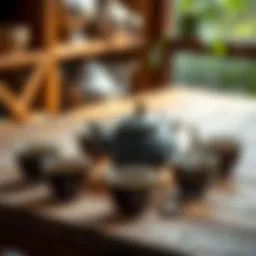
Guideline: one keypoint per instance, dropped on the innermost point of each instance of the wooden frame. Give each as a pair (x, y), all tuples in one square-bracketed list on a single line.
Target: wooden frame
[(52, 53), (19, 106)]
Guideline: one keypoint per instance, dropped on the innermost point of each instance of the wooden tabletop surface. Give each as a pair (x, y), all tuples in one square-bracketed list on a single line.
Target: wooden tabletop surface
[(222, 224)]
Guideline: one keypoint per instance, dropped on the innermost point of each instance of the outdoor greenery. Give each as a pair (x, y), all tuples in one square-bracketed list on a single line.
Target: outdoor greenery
[(218, 21), (225, 19)]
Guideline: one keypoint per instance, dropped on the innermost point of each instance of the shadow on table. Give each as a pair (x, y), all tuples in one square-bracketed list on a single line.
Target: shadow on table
[(15, 186)]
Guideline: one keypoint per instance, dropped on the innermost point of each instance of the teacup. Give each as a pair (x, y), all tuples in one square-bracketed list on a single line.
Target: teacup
[(32, 157), (131, 189), (227, 151), (66, 177)]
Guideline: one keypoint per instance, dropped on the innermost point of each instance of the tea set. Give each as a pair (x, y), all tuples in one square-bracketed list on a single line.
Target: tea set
[(139, 146)]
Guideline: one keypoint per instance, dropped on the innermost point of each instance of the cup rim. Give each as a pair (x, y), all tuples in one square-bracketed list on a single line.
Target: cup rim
[(27, 146), (132, 178)]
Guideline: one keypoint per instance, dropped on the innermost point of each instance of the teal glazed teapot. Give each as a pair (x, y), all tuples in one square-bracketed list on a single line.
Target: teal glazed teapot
[(141, 138)]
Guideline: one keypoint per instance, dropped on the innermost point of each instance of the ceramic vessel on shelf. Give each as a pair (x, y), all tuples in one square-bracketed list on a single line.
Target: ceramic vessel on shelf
[(99, 83), (100, 26), (123, 73), (14, 38), (141, 138), (193, 172), (131, 189), (32, 158), (74, 23), (82, 8), (67, 176), (122, 17), (92, 81), (96, 80), (227, 150)]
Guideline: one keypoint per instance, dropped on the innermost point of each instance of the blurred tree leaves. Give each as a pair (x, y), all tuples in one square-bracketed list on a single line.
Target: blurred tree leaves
[(218, 47), (213, 10), (222, 20), (158, 52), (234, 6)]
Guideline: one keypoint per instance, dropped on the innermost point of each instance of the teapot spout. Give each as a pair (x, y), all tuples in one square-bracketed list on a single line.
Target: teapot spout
[(101, 136), (93, 141)]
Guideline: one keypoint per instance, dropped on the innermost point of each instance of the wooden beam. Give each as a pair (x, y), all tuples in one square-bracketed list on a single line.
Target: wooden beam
[(33, 85), (162, 16), (50, 22), (156, 15), (12, 103), (53, 86), (142, 78), (98, 47), (17, 60)]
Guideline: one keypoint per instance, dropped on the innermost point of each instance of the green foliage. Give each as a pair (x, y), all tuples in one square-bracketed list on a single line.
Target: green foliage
[(234, 6), (210, 10), (221, 19), (252, 85), (218, 47), (216, 19), (157, 52)]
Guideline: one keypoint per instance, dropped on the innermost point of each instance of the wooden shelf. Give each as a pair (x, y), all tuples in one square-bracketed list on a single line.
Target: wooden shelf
[(90, 48), (97, 47), (46, 22), (17, 60)]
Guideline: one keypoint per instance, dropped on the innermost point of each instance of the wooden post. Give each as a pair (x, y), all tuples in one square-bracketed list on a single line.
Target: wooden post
[(142, 79), (161, 29), (157, 17), (53, 90)]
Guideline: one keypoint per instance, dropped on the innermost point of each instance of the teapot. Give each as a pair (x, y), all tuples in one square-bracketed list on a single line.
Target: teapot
[(141, 138)]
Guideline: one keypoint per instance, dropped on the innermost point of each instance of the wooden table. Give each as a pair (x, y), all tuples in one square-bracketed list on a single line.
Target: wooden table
[(223, 224)]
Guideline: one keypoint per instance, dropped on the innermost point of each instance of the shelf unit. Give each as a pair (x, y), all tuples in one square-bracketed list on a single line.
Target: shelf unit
[(45, 59)]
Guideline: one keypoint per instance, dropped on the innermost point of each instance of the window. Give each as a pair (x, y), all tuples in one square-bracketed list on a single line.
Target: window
[(227, 19), (231, 21)]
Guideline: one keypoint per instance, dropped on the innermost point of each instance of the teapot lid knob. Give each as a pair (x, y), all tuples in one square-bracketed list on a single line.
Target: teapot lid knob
[(140, 107)]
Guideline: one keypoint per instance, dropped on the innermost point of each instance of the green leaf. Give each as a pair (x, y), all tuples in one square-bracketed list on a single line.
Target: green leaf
[(245, 29), (234, 5), (186, 4), (218, 47), (252, 86)]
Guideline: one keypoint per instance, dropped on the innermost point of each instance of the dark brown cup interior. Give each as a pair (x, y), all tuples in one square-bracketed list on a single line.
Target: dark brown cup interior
[(192, 184), (131, 191), (227, 152), (67, 178), (193, 173), (67, 185), (31, 160), (130, 202)]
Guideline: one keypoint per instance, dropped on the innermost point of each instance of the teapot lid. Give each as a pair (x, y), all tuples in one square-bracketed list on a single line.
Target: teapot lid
[(140, 122)]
